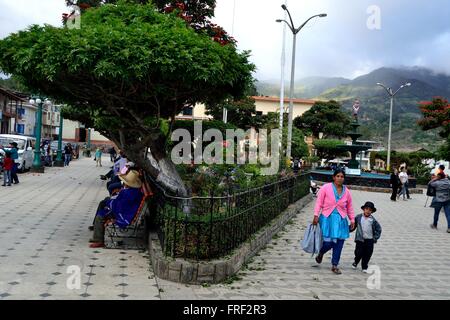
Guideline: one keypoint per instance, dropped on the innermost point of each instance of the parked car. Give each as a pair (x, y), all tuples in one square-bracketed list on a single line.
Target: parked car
[(25, 146)]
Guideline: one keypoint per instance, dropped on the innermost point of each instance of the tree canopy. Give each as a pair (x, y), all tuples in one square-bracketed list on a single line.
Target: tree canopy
[(325, 117), (328, 148), (436, 114), (127, 68)]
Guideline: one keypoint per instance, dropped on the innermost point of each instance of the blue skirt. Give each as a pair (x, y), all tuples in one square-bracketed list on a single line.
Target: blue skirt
[(334, 227)]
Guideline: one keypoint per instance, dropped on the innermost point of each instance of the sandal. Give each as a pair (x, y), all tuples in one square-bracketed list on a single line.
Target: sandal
[(336, 270)]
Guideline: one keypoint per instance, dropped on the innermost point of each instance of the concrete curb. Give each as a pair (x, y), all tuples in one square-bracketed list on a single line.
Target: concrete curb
[(215, 271)]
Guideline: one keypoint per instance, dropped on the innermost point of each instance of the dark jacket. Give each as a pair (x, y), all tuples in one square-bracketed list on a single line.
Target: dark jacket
[(376, 228), (395, 180), (125, 206), (442, 187)]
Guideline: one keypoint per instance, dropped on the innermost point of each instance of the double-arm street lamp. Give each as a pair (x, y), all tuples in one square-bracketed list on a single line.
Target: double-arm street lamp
[(392, 95), (37, 165), (291, 91)]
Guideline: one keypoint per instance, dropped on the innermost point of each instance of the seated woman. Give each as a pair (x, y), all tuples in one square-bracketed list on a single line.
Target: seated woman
[(121, 207)]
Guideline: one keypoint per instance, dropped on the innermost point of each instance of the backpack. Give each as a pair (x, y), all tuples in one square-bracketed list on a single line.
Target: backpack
[(431, 191), (312, 240)]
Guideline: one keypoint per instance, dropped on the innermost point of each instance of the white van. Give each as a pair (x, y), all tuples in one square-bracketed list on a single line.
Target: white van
[(25, 146)]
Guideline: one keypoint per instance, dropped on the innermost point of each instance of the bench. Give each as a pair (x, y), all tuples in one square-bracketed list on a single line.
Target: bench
[(114, 233)]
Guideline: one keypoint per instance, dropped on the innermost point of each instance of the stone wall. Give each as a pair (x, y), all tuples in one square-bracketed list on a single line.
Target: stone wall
[(215, 271), (375, 189)]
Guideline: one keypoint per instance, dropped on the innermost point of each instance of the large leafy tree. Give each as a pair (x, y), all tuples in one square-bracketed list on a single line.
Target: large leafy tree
[(127, 69), (326, 117), (436, 114)]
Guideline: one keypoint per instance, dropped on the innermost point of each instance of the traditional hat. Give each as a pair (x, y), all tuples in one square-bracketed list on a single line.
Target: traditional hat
[(131, 179), (370, 205)]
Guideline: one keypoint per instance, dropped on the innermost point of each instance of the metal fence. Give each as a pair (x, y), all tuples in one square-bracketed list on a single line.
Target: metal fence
[(210, 227)]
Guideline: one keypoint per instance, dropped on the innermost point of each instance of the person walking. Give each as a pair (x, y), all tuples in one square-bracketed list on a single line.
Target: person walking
[(442, 200), (368, 231), (15, 157), (395, 183), (403, 176), (112, 154), (8, 164), (67, 154), (333, 207), (98, 157)]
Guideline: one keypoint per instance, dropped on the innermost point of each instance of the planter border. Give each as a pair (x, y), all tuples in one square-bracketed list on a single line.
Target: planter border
[(217, 270)]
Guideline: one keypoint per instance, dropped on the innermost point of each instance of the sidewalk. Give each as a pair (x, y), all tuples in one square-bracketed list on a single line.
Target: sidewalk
[(413, 261), (44, 231)]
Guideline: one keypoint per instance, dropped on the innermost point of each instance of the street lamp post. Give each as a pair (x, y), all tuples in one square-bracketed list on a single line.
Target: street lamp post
[(291, 90), (59, 160), (392, 95), (37, 165)]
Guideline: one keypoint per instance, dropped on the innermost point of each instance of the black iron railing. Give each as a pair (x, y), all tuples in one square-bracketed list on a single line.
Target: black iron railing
[(210, 227)]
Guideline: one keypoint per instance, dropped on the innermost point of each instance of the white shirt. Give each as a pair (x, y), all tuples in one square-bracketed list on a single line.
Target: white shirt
[(403, 177)]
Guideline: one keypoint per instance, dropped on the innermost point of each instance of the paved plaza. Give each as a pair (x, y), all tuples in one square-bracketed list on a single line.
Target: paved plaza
[(44, 243)]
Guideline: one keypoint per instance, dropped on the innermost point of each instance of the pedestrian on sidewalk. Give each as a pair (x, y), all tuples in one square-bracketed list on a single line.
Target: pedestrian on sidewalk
[(403, 176), (15, 157), (395, 183), (98, 157), (67, 154), (368, 231), (333, 208), (8, 165), (442, 200), (112, 154)]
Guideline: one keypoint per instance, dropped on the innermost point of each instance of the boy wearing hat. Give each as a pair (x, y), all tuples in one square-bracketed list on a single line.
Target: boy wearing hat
[(368, 231)]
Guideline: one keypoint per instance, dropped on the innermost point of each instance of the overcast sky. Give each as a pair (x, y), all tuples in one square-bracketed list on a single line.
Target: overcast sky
[(411, 32)]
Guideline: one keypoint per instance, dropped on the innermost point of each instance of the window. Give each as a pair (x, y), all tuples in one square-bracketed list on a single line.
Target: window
[(20, 128), (188, 111)]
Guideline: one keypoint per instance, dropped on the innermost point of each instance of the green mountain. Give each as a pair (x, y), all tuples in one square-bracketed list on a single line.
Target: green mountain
[(375, 102)]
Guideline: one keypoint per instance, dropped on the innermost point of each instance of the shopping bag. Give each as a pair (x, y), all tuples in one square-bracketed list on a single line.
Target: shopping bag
[(312, 240)]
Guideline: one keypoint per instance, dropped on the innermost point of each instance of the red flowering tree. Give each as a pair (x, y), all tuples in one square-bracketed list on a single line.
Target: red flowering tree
[(436, 114)]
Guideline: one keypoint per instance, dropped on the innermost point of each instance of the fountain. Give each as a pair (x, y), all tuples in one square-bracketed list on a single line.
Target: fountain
[(353, 167)]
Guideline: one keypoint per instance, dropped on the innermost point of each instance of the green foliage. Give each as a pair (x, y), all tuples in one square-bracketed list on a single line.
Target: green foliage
[(328, 148), (127, 62), (326, 117)]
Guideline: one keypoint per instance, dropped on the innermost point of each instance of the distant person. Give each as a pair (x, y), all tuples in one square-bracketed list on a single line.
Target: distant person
[(442, 199), (98, 157), (8, 165), (67, 154), (395, 184), (112, 154), (15, 157), (296, 165), (404, 183)]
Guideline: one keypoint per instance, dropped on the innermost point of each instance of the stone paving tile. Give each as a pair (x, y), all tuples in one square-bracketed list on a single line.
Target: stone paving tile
[(412, 259), (52, 230)]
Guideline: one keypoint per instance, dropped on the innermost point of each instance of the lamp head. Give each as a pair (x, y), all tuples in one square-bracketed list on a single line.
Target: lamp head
[(278, 20), (32, 101), (284, 7), (408, 84), (322, 15), (38, 101)]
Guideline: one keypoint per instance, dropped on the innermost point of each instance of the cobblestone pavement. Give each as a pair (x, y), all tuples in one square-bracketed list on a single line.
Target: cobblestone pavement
[(413, 262), (43, 232)]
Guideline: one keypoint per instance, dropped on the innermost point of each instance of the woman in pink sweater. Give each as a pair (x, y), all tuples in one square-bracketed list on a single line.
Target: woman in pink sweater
[(333, 206)]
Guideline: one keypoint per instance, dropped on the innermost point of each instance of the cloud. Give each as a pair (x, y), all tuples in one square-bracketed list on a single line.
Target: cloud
[(413, 32)]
